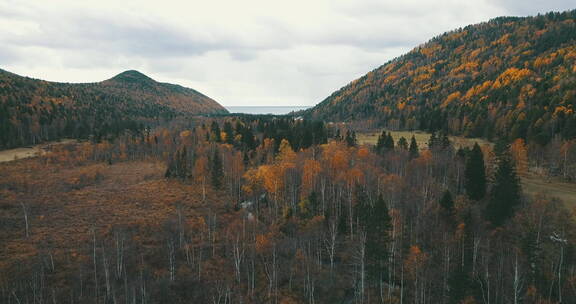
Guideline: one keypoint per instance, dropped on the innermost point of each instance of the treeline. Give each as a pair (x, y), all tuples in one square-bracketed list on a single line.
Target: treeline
[(507, 78), (329, 222)]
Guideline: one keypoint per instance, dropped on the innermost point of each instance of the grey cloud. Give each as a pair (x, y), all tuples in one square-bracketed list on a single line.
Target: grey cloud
[(534, 7), (8, 55)]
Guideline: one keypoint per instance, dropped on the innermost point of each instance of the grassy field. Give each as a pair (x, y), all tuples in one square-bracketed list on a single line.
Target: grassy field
[(532, 184), (422, 138)]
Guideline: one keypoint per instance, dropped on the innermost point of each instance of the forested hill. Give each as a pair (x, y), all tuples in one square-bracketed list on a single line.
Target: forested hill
[(507, 78), (33, 111)]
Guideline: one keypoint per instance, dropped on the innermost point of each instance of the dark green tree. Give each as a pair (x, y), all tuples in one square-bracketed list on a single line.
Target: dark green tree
[(433, 141), (447, 208), (413, 148), (229, 132), (215, 131), (378, 230), (475, 174), (403, 143), (381, 142), (351, 138), (389, 144), (217, 171), (505, 193), (376, 222)]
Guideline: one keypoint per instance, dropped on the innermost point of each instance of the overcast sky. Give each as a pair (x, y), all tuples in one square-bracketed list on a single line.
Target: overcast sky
[(239, 52)]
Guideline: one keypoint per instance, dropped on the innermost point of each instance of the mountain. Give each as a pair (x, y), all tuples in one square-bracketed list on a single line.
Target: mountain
[(511, 77), (33, 111)]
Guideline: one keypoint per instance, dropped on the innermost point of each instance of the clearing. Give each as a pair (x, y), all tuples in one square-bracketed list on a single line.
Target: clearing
[(532, 184), (27, 152)]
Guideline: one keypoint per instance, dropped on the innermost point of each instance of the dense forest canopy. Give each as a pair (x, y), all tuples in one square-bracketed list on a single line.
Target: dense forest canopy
[(33, 111), (507, 78)]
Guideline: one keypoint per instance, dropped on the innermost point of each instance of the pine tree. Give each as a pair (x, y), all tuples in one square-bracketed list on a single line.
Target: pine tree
[(385, 142), (351, 139), (444, 140), (215, 131), (217, 171), (403, 143), (413, 148), (447, 210), (378, 227), (475, 174), (505, 193), (229, 132), (381, 142), (389, 144), (432, 142)]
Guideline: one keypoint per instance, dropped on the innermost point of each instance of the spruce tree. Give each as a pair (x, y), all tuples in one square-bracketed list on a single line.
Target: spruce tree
[(447, 205), (403, 143), (381, 142), (413, 148), (444, 140), (215, 131), (505, 193), (432, 142), (475, 174), (389, 144), (351, 138), (378, 227), (217, 171), (229, 132)]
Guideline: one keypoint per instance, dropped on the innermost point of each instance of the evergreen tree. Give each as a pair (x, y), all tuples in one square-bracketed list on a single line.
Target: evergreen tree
[(475, 174), (413, 148), (403, 143), (385, 142), (447, 210), (229, 132), (444, 140), (381, 142), (432, 142), (248, 138), (505, 193), (217, 171), (215, 131), (351, 138), (376, 222), (378, 229), (389, 144)]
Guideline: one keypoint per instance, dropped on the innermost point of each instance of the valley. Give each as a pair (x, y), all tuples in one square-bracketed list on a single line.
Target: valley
[(145, 192)]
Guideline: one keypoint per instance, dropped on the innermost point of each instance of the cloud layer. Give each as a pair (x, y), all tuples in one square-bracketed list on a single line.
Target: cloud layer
[(252, 52)]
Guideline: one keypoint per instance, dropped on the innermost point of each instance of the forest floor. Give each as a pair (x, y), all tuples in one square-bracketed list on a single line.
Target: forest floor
[(27, 152), (532, 184)]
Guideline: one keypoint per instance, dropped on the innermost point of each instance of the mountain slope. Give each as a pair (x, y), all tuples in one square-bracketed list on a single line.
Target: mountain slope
[(509, 77), (34, 110)]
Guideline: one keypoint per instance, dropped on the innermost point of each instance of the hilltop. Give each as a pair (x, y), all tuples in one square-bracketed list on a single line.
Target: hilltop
[(33, 110), (509, 78)]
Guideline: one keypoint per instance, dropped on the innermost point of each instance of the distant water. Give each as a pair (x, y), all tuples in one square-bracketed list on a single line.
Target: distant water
[(276, 110)]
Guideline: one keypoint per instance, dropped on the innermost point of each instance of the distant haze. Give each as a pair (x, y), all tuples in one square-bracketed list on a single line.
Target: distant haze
[(276, 110), (252, 52)]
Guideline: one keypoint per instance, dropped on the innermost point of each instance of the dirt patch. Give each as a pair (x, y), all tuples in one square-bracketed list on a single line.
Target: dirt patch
[(27, 152)]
